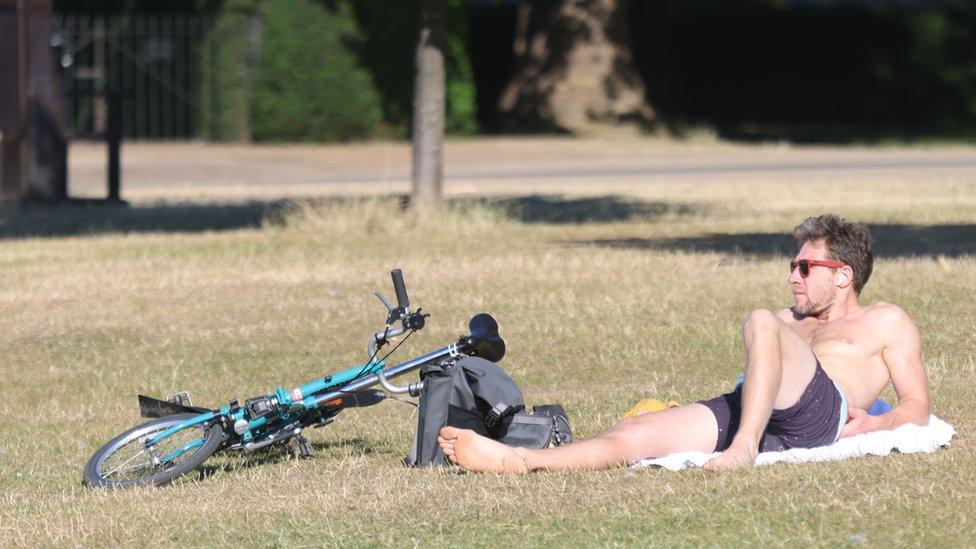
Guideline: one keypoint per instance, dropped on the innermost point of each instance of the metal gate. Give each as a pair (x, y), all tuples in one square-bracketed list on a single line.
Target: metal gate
[(152, 61)]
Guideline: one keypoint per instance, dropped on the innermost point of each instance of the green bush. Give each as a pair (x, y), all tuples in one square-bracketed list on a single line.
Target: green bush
[(228, 63), (310, 86), (390, 39), (324, 70), (462, 106)]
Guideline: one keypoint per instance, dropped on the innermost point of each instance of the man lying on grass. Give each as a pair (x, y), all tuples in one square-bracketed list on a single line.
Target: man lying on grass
[(811, 371)]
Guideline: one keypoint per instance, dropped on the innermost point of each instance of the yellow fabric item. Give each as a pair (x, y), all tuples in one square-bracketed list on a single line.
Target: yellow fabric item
[(649, 405)]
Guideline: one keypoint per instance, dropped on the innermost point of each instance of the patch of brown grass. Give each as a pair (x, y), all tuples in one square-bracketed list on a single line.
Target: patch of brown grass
[(91, 321)]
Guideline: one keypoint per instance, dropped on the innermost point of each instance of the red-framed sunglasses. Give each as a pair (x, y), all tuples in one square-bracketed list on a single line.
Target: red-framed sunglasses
[(805, 264)]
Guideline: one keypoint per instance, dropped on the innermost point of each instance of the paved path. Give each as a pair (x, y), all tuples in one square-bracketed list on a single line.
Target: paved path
[(175, 170)]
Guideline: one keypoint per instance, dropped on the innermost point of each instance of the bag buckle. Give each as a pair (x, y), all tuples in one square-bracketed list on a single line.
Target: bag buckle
[(496, 413)]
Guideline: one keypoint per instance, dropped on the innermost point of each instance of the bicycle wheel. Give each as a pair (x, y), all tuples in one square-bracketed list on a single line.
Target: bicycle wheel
[(125, 461)]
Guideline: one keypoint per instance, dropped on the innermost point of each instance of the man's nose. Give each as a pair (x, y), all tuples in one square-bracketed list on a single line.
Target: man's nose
[(795, 277)]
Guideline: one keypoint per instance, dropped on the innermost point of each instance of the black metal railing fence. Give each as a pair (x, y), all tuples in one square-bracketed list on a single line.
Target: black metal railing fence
[(153, 63)]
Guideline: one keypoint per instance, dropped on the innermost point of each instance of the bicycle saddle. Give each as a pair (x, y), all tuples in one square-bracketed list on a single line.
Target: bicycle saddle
[(484, 339)]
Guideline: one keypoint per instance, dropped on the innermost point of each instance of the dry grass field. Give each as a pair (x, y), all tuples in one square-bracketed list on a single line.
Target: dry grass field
[(605, 294)]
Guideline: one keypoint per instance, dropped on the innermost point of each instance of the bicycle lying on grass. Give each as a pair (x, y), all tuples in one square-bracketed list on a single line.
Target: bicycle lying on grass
[(184, 436)]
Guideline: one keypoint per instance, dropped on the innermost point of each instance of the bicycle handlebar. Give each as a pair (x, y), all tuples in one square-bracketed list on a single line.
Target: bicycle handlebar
[(403, 301), (373, 379), (413, 321), (380, 337)]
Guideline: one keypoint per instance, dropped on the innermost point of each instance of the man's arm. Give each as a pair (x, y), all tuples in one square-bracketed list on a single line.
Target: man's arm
[(903, 357)]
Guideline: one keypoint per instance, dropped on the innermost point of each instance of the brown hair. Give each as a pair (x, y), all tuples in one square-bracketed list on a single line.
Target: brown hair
[(847, 241)]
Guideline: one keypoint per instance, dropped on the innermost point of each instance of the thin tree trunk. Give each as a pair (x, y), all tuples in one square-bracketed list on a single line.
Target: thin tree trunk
[(34, 153), (428, 104)]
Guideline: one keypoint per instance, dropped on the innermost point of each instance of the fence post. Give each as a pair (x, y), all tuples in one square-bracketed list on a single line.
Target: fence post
[(114, 135)]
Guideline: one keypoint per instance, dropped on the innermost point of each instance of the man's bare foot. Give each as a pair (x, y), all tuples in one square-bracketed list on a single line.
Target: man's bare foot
[(734, 456), (477, 453)]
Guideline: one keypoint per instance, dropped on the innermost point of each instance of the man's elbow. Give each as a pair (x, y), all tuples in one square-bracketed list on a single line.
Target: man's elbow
[(920, 413), (923, 418)]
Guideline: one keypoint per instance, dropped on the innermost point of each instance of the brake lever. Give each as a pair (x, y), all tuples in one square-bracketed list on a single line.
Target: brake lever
[(386, 302), (393, 314)]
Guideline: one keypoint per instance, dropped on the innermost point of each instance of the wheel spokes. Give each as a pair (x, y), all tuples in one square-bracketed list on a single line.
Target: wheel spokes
[(122, 466), (125, 460)]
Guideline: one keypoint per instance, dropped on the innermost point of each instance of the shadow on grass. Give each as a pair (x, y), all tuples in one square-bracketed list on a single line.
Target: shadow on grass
[(238, 460), (592, 209), (87, 218), (72, 219), (894, 240)]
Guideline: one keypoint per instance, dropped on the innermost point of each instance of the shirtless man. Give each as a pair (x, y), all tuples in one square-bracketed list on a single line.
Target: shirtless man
[(811, 371)]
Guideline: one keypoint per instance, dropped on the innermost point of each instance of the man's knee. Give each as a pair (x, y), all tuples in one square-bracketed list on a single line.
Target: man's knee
[(760, 321), (622, 440), (627, 433)]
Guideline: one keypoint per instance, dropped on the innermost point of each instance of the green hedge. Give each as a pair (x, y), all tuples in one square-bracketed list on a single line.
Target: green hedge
[(324, 70), (390, 29), (227, 66), (310, 86)]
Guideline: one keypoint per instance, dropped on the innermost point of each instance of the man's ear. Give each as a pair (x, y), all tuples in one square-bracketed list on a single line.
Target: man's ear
[(844, 277)]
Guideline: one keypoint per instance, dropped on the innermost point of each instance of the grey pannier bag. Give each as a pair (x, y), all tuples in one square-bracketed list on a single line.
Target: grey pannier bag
[(547, 425), (474, 393)]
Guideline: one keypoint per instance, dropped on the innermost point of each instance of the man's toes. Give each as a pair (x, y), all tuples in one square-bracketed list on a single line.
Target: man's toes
[(450, 433)]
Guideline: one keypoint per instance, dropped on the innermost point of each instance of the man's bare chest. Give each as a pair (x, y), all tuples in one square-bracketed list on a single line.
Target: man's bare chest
[(848, 340)]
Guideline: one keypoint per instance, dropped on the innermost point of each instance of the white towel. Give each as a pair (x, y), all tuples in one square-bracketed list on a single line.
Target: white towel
[(907, 439)]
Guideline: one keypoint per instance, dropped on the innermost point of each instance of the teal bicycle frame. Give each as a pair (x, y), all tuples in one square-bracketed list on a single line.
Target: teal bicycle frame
[(282, 414), (292, 401), (326, 395)]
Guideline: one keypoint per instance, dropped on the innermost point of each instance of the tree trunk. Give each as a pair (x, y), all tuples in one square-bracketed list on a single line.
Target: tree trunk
[(33, 152), (576, 70), (428, 104)]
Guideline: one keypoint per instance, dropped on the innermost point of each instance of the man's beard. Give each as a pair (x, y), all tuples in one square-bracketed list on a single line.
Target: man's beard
[(813, 307)]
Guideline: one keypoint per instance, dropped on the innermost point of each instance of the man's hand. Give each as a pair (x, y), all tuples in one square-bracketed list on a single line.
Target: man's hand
[(735, 456), (858, 422)]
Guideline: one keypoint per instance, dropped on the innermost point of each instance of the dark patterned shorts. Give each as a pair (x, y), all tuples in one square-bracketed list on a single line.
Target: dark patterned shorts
[(815, 420)]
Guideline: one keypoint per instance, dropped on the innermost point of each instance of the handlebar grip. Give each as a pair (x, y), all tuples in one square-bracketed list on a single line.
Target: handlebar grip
[(403, 302)]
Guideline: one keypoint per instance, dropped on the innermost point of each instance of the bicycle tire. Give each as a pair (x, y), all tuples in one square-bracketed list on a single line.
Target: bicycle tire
[(95, 475)]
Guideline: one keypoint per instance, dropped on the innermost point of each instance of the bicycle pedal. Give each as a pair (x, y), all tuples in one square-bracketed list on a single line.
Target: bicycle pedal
[(181, 398)]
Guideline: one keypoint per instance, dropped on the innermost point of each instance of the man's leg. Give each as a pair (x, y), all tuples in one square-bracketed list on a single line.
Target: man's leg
[(685, 428), (779, 366)]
